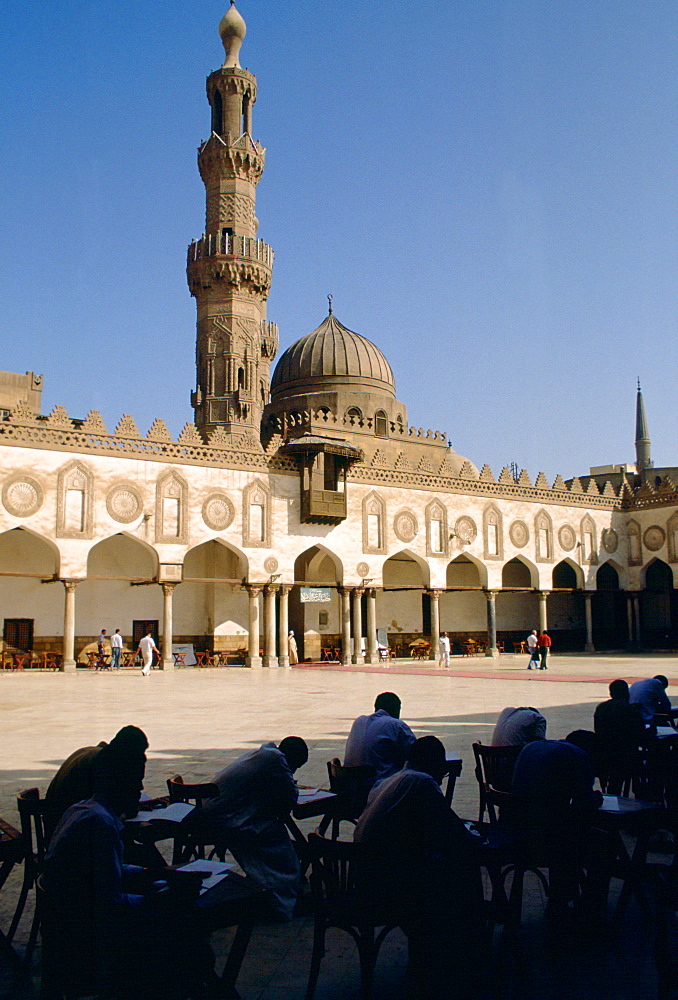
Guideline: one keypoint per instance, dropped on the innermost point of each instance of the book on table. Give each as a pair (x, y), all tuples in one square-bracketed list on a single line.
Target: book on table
[(174, 813)]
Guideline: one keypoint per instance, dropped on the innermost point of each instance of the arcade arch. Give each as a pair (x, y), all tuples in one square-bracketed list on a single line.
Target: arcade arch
[(31, 598), (210, 607)]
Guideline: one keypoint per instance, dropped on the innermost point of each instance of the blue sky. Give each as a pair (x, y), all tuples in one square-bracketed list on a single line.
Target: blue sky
[(486, 188)]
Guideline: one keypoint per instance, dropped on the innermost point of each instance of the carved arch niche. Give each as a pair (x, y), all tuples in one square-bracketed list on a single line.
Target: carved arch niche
[(436, 529), (635, 549), (543, 537), (672, 538), (589, 545), (374, 524), (493, 536), (171, 509), (75, 502), (256, 515)]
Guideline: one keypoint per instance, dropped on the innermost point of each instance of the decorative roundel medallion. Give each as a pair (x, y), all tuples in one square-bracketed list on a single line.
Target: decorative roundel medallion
[(270, 564), (465, 529), (124, 503), (567, 537), (218, 512), (654, 537), (519, 534), (22, 496), (362, 569), (405, 525), (610, 540)]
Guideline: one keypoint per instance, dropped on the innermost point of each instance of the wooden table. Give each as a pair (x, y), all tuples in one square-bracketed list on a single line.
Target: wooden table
[(179, 659), (320, 804), (50, 661), (639, 818)]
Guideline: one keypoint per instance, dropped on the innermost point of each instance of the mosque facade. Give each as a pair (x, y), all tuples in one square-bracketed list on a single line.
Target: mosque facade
[(301, 498)]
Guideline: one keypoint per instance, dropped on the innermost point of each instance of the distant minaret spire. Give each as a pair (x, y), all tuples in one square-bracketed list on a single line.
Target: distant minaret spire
[(643, 459)]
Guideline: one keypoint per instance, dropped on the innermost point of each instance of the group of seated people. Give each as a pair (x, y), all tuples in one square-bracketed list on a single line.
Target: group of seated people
[(425, 865)]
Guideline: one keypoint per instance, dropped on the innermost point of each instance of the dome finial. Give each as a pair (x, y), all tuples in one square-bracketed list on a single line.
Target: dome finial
[(329, 299), (232, 29)]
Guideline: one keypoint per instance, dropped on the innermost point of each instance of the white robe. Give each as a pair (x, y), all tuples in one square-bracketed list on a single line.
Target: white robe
[(257, 791)]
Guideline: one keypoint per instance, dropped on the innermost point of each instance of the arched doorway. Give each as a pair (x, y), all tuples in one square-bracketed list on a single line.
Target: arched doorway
[(120, 591), (316, 623), (404, 606), (566, 615), (210, 606), (608, 610), (659, 607), (31, 598), (463, 608)]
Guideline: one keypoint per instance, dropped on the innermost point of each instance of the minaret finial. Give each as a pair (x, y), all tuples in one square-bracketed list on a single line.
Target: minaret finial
[(232, 30), (329, 299), (643, 459)]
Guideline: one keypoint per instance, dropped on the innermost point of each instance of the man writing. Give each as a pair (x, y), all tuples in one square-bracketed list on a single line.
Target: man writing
[(381, 739)]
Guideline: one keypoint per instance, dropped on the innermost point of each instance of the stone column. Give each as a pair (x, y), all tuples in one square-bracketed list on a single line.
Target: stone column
[(167, 659), (253, 658), (68, 659), (357, 627), (345, 595), (491, 650), (283, 625), (270, 659), (636, 618), (543, 622), (589, 647), (629, 617), (435, 622), (372, 651)]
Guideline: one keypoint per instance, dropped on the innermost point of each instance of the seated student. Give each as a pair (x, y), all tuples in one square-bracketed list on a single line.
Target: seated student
[(381, 740), (619, 725), (554, 780), (256, 793), (74, 781), (425, 867), (115, 932), (517, 726), (651, 698)]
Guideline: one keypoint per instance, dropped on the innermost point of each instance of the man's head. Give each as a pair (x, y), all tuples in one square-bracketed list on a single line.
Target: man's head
[(130, 740), (619, 690), (150, 633), (103, 631), (390, 703), (295, 751), (119, 775), (427, 754), (534, 631), (117, 631), (663, 680)]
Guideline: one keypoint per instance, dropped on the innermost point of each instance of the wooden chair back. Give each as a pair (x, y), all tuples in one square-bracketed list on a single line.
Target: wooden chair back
[(196, 793), (352, 785), (494, 766), (32, 811), (190, 842)]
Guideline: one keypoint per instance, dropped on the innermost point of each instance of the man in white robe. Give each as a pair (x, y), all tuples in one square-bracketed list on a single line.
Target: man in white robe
[(256, 794), (381, 739)]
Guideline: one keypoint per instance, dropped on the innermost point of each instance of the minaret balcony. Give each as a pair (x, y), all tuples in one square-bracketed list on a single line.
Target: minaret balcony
[(226, 245)]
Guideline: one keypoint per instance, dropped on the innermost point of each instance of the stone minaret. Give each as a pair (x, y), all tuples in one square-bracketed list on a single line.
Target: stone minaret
[(229, 269), (643, 460)]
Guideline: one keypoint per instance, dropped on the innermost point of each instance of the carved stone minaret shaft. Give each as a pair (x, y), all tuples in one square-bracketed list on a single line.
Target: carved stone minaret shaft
[(643, 459), (229, 269)]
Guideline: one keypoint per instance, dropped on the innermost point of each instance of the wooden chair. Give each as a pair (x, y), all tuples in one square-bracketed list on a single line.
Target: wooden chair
[(188, 843), (32, 813), (352, 785), (494, 766), (11, 853), (336, 903)]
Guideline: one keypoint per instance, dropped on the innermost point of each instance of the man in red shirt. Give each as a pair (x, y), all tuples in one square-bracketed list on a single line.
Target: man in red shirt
[(544, 646)]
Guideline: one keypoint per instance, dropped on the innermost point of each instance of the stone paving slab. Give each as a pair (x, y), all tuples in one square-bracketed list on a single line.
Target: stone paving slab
[(197, 720)]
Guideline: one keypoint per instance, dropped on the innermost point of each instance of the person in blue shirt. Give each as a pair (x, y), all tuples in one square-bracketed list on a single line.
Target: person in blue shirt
[(651, 698)]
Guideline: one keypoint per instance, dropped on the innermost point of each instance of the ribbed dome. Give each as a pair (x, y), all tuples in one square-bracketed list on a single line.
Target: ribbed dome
[(332, 353)]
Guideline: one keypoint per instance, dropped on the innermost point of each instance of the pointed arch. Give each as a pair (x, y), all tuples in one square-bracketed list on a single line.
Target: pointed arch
[(635, 549), (567, 574), (312, 565), (374, 524), (215, 559), (75, 501), (543, 537), (464, 576), (672, 537), (256, 515), (24, 552), (122, 556), (399, 565), (589, 542), (657, 575), (493, 532), (437, 533), (519, 573), (608, 576), (171, 508)]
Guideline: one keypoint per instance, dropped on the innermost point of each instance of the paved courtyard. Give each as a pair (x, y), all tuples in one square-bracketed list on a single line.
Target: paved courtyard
[(196, 720)]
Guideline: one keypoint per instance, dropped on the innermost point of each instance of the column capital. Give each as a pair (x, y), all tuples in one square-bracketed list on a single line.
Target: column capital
[(254, 589), (285, 588), (71, 584), (543, 593), (271, 588), (435, 593), (490, 595), (168, 588)]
